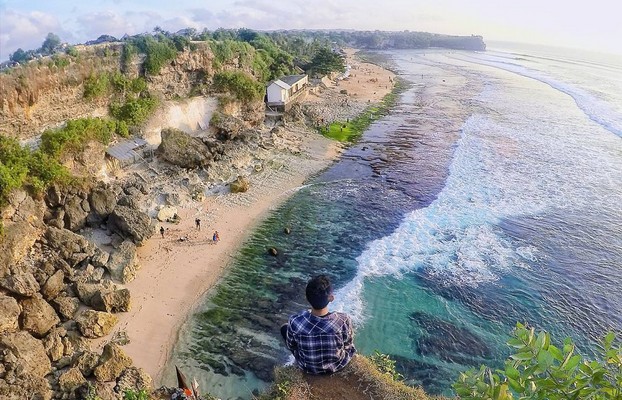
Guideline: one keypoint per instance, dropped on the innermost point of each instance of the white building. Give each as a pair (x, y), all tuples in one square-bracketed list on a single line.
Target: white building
[(282, 92)]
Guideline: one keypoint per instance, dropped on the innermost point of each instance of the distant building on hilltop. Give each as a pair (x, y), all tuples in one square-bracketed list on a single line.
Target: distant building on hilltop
[(283, 92)]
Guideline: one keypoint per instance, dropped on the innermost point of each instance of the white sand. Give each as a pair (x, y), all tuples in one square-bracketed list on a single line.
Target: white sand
[(175, 275)]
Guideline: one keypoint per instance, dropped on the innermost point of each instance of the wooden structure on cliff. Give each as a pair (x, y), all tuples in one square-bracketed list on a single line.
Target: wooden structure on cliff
[(283, 92), (126, 152)]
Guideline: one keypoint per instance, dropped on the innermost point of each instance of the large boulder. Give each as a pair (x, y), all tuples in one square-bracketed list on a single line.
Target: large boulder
[(54, 285), (70, 380), (112, 301), (135, 379), (86, 291), (240, 185), (166, 213), (181, 149), (103, 200), (21, 207), (94, 324), (29, 351), (25, 387), (38, 316), (9, 314), (100, 258), (131, 223), (67, 306), (69, 246), (53, 343), (112, 363), (123, 263), (17, 240), (86, 362), (75, 215), (23, 284)]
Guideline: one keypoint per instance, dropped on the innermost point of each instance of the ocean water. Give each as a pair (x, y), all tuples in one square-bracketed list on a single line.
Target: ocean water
[(491, 194)]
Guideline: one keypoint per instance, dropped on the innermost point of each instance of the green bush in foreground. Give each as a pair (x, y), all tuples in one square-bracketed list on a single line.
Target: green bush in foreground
[(242, 86), (540, 370)]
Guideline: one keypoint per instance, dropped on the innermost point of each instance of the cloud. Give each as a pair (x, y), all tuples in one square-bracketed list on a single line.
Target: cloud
[(95, 24), (26, 31)]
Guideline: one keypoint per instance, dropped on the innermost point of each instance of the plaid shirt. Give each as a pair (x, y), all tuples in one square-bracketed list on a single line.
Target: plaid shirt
[(320, 345)]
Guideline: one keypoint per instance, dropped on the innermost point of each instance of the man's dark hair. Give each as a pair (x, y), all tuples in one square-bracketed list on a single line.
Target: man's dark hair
[(318, 291)]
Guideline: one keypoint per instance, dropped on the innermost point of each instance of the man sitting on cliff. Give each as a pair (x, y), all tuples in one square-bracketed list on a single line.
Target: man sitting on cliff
[(320, 340)]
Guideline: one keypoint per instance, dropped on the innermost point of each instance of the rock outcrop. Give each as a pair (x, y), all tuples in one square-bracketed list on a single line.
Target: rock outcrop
[(123, 263), (111, 363), (240, 185), (94, 324), (38, 316), (9, 314), (23, 284), (29, 351), (181, 149), (131, 223)]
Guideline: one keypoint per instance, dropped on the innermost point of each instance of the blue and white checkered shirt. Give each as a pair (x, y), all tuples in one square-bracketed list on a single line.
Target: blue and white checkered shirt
[(321, 345)]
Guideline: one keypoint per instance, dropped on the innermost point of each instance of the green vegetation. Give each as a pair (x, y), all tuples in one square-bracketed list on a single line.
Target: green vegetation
[(385, 365), (540, 370), (50, 44), (135, 395), (326, 61), (351, 130), (19, 167), (73, 136), (239, 84), (134, 111), (158, 49), (96, 86)]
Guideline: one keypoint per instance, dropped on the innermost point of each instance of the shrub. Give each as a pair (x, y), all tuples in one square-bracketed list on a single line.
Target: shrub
[(96, 86), (541, 370), (239, 84), (75, 135), (134, 111)]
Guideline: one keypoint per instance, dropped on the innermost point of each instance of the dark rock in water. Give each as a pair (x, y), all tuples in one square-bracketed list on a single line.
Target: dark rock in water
[(273, 251), (423, 374), (448, 341), (287, 231)]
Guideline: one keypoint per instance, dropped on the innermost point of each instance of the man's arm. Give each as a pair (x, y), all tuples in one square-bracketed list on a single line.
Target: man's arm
[(348, 332), (290, 339)]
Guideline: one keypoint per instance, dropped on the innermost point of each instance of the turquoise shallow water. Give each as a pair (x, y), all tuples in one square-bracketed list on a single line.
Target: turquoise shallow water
[(490, 195)]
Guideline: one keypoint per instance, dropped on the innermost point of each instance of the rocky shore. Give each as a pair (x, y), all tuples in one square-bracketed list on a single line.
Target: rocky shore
[(84, 273)]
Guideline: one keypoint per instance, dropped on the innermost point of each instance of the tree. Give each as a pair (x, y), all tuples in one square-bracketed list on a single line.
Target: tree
[(326, 61), (540, 370), (19, 56), (50, 43)]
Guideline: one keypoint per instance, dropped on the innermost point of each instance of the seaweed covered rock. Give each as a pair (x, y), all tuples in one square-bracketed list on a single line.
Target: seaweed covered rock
[(181, 149)]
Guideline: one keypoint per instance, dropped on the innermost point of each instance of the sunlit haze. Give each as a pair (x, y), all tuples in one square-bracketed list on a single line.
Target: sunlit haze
[(591, 25)]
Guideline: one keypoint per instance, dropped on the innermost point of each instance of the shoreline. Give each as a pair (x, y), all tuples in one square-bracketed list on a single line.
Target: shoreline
[(176, 275)]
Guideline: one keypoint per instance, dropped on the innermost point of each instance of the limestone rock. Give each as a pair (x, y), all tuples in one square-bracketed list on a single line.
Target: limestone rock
[(53, 343), (54, 285), (102, 200), (22, 284), (26, 387), (86, 362), (71, 380), (9, 314), (100, 257), (240, 185), (38, 316), (29, 351), (103, 390), (111, 363), (132, 223), (66, 306), (181, 149), (166, 213), (75, 216), (17, 240), (94, 324), (123, 263), (134, 379), (86, 291), (113, 302), (70, 246)]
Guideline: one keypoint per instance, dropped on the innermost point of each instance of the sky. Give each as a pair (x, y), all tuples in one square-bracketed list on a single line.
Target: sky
[(594, 24)]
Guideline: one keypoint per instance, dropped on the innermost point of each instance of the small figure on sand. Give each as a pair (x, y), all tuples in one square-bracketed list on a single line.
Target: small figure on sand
[(216, 237), (162, 231), (197, 222), (320, 340)]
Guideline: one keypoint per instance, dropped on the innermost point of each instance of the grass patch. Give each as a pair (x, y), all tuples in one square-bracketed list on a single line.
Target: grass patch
[(350, 131)]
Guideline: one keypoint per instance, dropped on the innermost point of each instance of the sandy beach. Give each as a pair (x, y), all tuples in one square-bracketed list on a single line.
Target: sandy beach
[(176, 274)]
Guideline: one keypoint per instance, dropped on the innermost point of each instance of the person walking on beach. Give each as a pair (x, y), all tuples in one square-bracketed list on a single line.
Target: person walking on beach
[(320, 340), (197, 222), (162, 231), (215, 237)]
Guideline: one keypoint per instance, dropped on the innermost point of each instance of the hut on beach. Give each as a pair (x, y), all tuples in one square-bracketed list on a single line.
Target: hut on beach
[(285, 91)]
